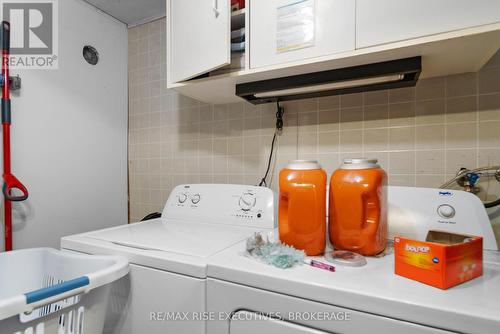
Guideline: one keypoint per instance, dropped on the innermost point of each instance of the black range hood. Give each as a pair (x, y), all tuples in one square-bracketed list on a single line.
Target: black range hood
[(385, 75)]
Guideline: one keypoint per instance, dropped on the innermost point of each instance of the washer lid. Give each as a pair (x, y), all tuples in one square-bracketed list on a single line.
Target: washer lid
[(177, 237)]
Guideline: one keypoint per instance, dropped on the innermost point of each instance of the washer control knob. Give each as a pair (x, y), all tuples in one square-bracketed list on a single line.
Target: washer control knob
[(446, 211), (182, 198), (195, 199), (247, 201)]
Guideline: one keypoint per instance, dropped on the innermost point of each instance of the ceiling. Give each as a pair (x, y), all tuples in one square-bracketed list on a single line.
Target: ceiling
[(132, 12)]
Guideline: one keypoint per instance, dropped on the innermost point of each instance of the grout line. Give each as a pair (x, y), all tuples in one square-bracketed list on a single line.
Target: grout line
[(477, 119), (363, 124), (297, 125), (388, 162), (368, 128), (242, 174), (415, 138), (339, 156), (455, 149), (445, 124), (317, 129)]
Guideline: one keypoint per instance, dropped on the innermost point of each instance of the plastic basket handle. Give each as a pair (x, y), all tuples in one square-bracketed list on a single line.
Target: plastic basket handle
[(56, 292)]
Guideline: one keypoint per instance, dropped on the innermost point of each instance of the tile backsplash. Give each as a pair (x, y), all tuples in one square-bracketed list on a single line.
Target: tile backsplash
[(421, 135)]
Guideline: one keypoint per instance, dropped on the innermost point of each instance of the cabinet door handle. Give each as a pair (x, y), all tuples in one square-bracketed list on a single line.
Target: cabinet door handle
[(215, 8)]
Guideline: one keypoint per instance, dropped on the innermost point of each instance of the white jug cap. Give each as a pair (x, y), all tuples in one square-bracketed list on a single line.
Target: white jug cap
[(359, 163), (303, 165)]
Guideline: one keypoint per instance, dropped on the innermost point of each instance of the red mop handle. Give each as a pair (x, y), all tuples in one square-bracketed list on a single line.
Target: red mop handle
[(10, 181)]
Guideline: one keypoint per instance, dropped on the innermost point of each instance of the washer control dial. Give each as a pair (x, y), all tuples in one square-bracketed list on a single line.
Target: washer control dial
[(182, 198), (446, 211), (195, 199), (247, 201)]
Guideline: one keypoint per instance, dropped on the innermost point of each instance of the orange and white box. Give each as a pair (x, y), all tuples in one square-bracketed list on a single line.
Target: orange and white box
[(443, 260)]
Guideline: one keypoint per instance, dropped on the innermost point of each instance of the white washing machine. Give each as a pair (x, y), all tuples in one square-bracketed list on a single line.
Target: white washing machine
[(371, 299), (166, 289)]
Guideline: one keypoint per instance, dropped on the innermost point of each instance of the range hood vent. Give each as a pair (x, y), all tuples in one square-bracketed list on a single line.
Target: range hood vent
[(386, 75)]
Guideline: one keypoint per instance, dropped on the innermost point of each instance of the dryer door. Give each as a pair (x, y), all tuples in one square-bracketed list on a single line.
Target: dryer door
[(242, 309), (246, 322)]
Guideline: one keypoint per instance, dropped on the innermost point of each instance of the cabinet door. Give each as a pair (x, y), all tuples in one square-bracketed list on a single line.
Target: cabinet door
[(198, 37), (276, 33), (385, 21)]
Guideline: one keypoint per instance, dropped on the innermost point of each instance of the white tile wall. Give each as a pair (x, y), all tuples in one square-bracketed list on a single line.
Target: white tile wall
[(420, 135)]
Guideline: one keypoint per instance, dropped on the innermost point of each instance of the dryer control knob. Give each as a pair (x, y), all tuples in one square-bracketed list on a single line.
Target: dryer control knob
[(247, 201), (195, 199), (182, 198), (446, 211)]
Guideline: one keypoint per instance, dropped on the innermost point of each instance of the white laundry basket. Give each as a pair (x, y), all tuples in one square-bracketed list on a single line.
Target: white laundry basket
[(47, 291)]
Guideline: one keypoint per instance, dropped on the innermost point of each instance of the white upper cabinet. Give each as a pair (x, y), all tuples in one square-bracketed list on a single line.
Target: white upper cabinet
[(386, 21), (283, 31), (290, 37), (198, 37)]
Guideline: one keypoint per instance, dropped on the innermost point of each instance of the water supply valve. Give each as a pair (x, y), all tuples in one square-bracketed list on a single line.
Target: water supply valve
[(472, 178), (470, 182)]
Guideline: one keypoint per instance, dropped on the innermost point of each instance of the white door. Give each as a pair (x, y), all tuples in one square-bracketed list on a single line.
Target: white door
[(284, 31), (385, 21), (198, 37)]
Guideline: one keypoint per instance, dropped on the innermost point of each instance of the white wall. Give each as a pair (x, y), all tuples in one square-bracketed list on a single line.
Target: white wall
[(69, 133)]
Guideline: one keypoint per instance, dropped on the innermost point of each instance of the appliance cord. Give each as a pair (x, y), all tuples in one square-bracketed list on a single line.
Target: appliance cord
[(279, 128)]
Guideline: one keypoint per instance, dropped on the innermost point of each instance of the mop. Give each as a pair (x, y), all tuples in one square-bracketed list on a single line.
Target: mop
[(10, 181)]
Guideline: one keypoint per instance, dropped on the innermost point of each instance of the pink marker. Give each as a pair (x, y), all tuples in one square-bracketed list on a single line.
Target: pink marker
[(320, 265)]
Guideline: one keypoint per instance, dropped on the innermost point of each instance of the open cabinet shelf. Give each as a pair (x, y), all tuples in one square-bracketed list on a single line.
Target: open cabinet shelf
[(238, 19)]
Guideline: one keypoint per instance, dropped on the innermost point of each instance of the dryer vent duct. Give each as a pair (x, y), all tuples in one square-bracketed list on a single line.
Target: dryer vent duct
[(385, 75), (90, 55)]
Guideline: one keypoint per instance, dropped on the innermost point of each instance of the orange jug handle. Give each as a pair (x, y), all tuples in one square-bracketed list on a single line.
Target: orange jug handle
[(288, 198), (371, 212), (311, 188)]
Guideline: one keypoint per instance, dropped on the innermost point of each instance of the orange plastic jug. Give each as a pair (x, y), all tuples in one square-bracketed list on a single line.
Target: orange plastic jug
[(302, 206), (358, 207)]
